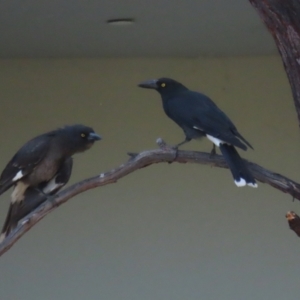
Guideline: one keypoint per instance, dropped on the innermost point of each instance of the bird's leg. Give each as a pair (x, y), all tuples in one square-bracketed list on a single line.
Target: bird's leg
[(182, 143), (178, 145), (213, 151)]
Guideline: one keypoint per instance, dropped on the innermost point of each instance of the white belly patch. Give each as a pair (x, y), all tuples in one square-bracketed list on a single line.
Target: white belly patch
[(216, 141)]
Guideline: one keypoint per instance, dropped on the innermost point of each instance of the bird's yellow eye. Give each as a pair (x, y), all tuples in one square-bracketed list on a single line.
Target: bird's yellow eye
[(83, 135), (163, 85)]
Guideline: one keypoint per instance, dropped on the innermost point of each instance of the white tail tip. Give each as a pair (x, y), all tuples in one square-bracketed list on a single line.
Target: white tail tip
[(241, 182), (254, 185)]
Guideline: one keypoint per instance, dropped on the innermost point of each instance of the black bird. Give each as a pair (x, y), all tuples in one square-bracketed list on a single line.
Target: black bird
[(42, 165), (199, 116)]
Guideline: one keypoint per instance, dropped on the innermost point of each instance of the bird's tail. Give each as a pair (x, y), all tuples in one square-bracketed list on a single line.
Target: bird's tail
[(237, 166), (18, 210), (8, 224)]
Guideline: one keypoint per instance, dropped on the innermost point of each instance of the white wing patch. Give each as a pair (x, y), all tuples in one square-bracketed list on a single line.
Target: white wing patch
[(18, 176), (216, 141)]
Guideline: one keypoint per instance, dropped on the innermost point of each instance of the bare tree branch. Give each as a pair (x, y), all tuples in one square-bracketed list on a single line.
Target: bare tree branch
[(282, 19), (138, 161)]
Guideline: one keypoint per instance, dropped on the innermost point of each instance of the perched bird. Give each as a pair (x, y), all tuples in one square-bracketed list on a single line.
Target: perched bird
[(35, 196), (199, 116), (40, 168)]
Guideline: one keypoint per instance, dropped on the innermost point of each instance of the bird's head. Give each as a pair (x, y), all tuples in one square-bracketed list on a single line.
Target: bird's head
[(79, 137), (165, 86)]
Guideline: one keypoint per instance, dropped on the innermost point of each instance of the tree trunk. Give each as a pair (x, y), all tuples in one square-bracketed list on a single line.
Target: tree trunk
[(282, 18)]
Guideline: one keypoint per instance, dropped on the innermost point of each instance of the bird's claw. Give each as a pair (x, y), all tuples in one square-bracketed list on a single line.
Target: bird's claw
[(51, 199), (213, 152)]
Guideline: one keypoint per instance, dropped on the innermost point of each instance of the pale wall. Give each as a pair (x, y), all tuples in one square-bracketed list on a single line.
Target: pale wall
[(167, 231)]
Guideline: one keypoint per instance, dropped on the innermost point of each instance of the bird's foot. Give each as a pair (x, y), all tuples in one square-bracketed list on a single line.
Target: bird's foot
[(52, 199), (175, 149), (49, 198)]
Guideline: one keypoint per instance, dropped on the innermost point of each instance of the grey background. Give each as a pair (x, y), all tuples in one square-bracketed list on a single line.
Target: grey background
[(166, 231), (163, 28)]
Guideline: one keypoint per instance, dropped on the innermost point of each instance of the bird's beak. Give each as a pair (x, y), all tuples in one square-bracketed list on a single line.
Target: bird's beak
[(149, 84), (94, 137)]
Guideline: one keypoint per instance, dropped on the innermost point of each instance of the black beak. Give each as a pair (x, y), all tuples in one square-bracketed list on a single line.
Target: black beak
[(149, 84), (94, 137)]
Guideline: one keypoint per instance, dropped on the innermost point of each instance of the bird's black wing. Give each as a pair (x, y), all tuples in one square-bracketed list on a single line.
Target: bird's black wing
[(34, 197), (24, 161), (199, 112)]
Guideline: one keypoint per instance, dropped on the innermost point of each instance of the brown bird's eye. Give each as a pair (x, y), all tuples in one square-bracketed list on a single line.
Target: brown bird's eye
[(163, 85), (83, 135)]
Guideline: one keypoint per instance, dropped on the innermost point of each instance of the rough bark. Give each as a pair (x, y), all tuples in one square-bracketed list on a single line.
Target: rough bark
[(138, 161), (282, 18), (293, 221)]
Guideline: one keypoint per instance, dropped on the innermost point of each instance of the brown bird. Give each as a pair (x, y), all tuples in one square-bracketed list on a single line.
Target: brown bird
[(40, 168)]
